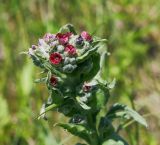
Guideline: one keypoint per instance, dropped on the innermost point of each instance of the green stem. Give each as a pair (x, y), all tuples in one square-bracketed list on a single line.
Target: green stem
[(94, 139)]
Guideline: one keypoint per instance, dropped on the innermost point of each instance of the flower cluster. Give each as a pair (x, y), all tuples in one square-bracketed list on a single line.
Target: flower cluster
[(61, 49), (68, 59), (72, 65)]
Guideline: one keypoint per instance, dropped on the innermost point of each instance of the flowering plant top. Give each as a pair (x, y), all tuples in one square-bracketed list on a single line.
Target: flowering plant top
[(72, 64)]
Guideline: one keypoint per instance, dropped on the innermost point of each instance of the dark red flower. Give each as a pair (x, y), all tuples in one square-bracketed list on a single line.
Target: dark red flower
[(86, 88), (53, 81), (86, 36), (70, 49), (63, 38), (55, 58)]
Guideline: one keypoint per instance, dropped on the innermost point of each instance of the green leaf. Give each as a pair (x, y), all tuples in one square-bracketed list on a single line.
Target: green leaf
[(87, 54), (112, 84), (67, 28), (114, 139), (77, 130), (45, 109), (119, 110), (102, 94), (95, 58), (113, 142), (41, 80), (52, 69), (105, 127), (82, 104), (97, 40)]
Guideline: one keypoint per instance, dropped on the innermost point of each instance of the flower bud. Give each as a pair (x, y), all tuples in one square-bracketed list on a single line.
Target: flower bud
[(70, 49), (86, 36), (79, 41), (68, 68), (60, 48), (67, 60), (73, 60), (53, 81), (34, 47)]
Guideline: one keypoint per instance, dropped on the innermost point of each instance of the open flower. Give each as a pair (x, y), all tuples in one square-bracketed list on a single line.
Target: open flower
[(86, 36), (63, 38), (53, 81), (70, 49), (55, 58)]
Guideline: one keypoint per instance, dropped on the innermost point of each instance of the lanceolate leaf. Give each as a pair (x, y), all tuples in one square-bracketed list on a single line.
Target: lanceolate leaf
[(77, 130), (45, 109), (119, 110)]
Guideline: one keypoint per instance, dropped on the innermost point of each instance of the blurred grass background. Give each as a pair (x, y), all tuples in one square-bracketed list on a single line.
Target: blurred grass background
[(132, 28)]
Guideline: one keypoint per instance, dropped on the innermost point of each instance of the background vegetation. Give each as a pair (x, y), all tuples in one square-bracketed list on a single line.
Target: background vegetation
[(132, 28)]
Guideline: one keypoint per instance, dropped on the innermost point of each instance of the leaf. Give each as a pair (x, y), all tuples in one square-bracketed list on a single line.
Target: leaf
[(113, 142), (115, 139), (94, 63), (87, 54), (49, 67), (112, 84), (67, 28), (77, 130), (119, 110), (97, 40), (45, 109), (105, 127), (102, 94), (82, 104), (41, 80)]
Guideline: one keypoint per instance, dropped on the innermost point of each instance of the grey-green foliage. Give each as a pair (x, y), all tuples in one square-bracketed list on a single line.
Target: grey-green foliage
[(76, 87)]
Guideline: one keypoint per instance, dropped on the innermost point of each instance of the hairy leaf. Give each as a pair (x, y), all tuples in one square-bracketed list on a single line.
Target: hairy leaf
[(114, 139), (82, 104), (77, 130), (119, 110), (41, 80)]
